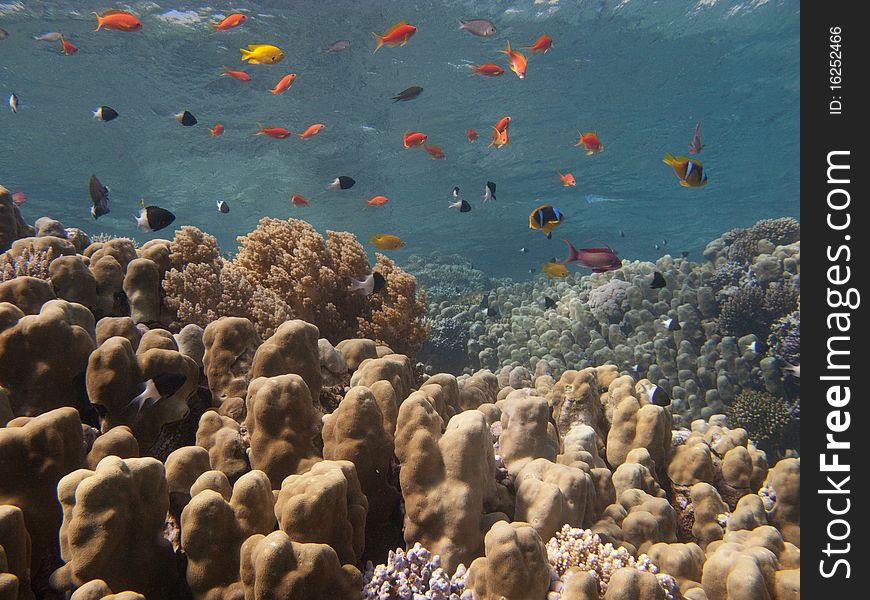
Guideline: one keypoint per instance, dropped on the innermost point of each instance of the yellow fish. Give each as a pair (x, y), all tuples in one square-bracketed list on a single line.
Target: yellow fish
[(689, 170), (553, 269), (262, 54), (387, 241)]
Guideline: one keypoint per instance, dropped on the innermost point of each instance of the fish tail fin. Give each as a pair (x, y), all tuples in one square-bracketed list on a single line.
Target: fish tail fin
[(474, 69), (99, 21), (260, 129), (461, 24), (215, 27), (669, 159), (380, 39), (246, 54)]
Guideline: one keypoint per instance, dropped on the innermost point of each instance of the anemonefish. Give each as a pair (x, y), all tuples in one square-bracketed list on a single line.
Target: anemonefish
[(546, 218), (399, 33), (690, 171)]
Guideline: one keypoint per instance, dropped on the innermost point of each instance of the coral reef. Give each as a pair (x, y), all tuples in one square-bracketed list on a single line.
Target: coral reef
[(770, 422)]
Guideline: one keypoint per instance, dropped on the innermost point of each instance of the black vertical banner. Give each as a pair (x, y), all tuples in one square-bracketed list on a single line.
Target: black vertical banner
[(835, 439)]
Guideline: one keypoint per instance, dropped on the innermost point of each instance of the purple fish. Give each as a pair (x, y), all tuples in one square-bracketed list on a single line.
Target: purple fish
[(600, 260), (695, 147)]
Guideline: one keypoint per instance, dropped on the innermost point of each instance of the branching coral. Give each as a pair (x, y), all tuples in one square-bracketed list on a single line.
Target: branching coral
[(30, 262), (201, 286), (785, 338), (417, 574), (767, 419), (396, 312), (742, 312)]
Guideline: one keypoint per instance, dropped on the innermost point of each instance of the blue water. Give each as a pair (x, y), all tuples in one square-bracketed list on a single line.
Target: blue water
[(639, 73)]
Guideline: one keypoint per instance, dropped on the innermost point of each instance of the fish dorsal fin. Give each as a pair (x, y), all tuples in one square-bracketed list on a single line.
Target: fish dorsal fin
[(142, 202), (115, 11), (255, 46), (605, 249)]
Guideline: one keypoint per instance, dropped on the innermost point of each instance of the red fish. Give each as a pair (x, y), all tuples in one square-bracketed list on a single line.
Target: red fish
[(488, 69), (600, 260), (284, 85), (217, 130), (274, 132), (378, 200), (68, 47), (518, 62), (234, 20), (591, 142), (312, 131), (434, 151), (695, 147), (119, 20), (503, 124), (399, 33), (19, 198), (414, 138), (240, 75), (544, 43), (568, 179), (299, 200), (471, 134), (499, 138)]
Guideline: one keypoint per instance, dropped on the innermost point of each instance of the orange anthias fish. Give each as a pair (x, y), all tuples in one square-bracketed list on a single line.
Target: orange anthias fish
[(434, 151), (399, 33), (312, 131), (68, 47), (240, 75), (499, 138), (544, 43), (414, 138), (274, 132), (284, 85), (234, 20), (568, 179), (377, 200), (298, 200), (503, 124), (591, 142), (489, 69), (387, 241), (517, 60), (217, 130), (119, 20), (471, 134)]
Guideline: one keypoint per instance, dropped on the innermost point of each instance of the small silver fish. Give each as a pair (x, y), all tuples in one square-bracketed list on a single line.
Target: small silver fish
[(51, 36), (478, 27), (13, 103), (339, 46)]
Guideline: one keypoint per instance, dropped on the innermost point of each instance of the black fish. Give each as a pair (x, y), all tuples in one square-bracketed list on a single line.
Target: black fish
[(621, 234), (99, 196), (484, 302), (223, 206), (492, 312), (342, 182), (549, 302), (465, 206), (168, 383), (658, 281), (105, 113), (154, 218), (186, 119), (684, 253), (3, 34), (658, 396), (671, 324), (408, 94), (380, 282), (489, 192)]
